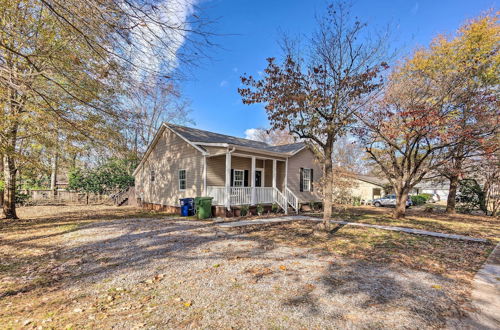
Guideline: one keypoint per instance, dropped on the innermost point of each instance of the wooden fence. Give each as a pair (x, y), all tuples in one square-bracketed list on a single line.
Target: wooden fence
[(43, 197)]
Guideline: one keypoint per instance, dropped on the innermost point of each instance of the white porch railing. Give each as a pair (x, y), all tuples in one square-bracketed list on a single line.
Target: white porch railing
[(243, 196), (292, 199), (263, 195), (218, 193), (240, 195), (280, 199)]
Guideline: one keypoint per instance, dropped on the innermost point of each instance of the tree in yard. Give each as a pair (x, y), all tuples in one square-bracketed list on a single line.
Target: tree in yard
[(113, 175), (466, 69), (405, 133), (67, 66), (154, 103), (314, 98)]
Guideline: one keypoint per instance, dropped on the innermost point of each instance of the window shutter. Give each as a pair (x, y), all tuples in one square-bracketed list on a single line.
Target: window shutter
[(245, 179), (232, 178), (301, 184), (312, 179)]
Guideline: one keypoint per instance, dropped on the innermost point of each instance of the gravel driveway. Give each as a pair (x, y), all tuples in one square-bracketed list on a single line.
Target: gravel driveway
[(169, 273)]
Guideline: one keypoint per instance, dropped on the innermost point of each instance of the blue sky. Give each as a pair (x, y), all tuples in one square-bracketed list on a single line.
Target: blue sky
[(248, 33)]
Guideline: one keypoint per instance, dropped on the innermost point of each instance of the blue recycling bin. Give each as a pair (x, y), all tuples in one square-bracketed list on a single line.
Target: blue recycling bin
[(187, 206)]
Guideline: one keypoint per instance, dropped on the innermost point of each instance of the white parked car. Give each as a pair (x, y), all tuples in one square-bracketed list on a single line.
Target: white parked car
[(389, 200)]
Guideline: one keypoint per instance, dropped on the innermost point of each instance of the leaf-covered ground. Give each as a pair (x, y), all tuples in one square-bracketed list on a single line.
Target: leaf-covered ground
[(88, 267), (420, 218)]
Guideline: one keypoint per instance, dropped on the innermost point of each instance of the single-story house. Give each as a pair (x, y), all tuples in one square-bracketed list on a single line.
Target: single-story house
[(368, 187), (186, 162), (433, 187)]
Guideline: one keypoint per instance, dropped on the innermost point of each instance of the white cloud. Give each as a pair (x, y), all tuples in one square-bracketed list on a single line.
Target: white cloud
[(223, 83), (251, 133), (154, 47), (235, 70)]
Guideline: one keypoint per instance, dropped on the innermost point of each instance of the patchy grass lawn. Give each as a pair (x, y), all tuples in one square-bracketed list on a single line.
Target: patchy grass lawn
[(417, 217), (103, 267)]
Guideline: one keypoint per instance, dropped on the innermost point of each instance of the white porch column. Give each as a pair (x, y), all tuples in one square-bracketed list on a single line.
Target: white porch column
[(286, 185), (228, 180), (252, 183), (274, 173), (286, 174), (204, 175)]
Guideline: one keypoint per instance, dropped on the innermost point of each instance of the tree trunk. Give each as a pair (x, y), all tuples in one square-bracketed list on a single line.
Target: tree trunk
[(53, 174), (328, 188), (401, 198), (452, 195), (9, 173)]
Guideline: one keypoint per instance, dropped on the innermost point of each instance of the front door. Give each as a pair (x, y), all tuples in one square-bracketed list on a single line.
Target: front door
[(258, 178)]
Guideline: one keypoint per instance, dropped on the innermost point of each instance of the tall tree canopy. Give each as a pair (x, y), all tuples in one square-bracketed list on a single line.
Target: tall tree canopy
[(440, 106), (466, 69), (315, 98), (68, 67)]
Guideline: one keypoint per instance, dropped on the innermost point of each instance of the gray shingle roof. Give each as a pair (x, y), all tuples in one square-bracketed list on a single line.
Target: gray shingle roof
[(195, 135), (372, 179)]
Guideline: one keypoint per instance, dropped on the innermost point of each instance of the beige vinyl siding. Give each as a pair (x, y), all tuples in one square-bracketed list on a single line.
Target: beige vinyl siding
[(241, 163), (262, 155), (216, 170), (169, 155), (215, 150), (280, 175), (304, 159), (364, 190), (268, 173)]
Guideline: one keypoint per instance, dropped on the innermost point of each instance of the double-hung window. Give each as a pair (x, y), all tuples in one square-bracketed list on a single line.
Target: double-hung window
[(238, 178), (182, 179), (306, 179)]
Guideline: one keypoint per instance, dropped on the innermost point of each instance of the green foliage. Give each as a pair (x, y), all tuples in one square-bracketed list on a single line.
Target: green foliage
[(427, 196), (260, 209), (315, 206), (356, 201), (21, 198), (275, 208), (31, 183), (113, 175), (471, 196), (244, 210), (420, 199), (2, 185)]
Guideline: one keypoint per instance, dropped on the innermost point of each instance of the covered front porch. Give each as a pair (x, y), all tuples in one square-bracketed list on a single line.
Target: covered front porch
[(239, 178)]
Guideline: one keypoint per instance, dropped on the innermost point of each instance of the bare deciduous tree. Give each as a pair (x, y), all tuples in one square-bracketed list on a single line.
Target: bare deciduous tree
[(315, 98), (72, 62)]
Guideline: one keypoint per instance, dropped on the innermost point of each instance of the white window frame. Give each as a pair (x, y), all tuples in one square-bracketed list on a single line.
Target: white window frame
[(182, 179), (306, 179), (242, 178)]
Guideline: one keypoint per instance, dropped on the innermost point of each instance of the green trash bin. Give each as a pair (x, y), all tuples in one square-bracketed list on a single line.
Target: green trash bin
[(203, 207)]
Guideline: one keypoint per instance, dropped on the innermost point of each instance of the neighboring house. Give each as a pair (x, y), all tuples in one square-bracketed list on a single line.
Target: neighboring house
[(187, 162), (368, 187), (433, 187)]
